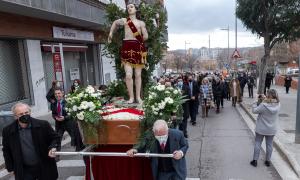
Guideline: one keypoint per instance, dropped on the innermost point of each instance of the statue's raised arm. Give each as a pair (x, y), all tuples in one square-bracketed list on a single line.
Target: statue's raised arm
[(116, 23), (133, 52)]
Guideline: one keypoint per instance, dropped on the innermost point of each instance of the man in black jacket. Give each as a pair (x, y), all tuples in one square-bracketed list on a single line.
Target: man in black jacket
[(250, 83), (193, 96), (28, 146), (243, 81), (183, 86), (63, 122)]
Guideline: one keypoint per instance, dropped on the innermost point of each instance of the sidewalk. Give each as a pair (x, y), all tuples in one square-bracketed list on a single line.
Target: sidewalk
[(284, 140)]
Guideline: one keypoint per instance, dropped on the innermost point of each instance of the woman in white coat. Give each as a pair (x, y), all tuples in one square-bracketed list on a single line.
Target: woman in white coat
[(267, 109)]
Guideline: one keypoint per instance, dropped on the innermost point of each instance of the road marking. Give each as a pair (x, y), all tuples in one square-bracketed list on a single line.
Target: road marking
[(70, 163), (192, 179)]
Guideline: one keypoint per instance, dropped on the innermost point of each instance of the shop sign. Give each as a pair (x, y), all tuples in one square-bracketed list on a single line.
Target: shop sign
[(67, 33), (74, 74), (57, 67)]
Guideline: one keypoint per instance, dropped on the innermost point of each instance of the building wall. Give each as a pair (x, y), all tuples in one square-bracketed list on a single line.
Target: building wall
[(34, 56), (27, 27), (36, 29), (61, 10), (109, 73)]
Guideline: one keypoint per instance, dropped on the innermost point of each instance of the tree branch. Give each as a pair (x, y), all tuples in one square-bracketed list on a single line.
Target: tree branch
[(274, 42)]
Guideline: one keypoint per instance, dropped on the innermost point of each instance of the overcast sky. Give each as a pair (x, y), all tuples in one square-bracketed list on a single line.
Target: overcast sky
[(193, 21)]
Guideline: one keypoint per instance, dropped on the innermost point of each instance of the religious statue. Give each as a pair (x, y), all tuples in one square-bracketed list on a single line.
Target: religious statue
[(133, 52)]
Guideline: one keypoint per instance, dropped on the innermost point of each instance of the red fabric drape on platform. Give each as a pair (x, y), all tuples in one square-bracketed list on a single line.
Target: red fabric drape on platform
[(119, 168)]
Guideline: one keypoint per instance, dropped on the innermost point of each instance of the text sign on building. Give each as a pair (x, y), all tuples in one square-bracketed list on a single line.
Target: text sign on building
[(57, 67), (74, 74), (66, 33)]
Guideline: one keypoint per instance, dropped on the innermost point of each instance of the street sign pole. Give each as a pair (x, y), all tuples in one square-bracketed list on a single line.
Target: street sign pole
[(297, 133)]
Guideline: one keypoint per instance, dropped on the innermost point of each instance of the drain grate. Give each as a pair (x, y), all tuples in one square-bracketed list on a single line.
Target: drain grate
[(283, 115)]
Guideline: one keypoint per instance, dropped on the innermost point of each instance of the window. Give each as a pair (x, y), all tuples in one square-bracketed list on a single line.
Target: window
[(13, 73)]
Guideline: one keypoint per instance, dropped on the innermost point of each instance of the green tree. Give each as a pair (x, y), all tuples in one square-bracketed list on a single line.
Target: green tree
[(274, 20)]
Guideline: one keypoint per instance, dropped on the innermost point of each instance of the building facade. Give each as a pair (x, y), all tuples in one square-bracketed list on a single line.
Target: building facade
[(46, 40)]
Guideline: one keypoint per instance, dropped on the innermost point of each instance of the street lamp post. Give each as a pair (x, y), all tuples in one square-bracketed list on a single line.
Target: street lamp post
[(227, 29), (185, 43), (297, 133)]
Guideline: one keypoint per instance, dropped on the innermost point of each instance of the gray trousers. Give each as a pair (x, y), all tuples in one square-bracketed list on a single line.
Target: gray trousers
[(269, 146)]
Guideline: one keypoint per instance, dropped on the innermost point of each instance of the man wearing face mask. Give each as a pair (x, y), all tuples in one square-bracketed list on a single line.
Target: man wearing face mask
[(28, 146), (168, 141)]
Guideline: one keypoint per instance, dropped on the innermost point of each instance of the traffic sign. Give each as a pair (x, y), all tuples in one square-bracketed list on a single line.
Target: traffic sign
[(236, 54)]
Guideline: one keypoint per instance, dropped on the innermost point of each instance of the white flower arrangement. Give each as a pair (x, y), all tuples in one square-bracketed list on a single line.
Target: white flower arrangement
[(84, 104), (163, 101)]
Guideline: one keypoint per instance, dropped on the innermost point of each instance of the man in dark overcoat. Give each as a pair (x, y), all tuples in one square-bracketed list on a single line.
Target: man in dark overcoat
[(29, 145)]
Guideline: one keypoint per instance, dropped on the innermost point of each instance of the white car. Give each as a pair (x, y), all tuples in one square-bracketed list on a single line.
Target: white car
[(293, 71)]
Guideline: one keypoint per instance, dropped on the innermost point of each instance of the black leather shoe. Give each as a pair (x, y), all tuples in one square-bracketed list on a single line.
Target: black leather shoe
[(268, 163), (194, 123), (253, 163), (186, 136)]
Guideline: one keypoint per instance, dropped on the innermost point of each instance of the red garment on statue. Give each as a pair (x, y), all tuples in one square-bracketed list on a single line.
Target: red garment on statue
[(134, 53)]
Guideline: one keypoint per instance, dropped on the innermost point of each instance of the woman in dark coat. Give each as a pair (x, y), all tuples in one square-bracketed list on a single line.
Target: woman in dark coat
[(75, 86), (226, 88), (218, 93), (287, 83), (50, 95)]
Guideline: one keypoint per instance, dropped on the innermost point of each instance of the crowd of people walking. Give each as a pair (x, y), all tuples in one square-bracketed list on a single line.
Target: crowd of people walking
[(206, 92)]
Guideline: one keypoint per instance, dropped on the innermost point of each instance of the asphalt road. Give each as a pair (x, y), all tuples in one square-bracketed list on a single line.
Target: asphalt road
[(221, 147)]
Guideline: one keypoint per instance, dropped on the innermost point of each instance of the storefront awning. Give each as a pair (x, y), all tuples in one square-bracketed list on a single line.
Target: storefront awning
[(66, 47)]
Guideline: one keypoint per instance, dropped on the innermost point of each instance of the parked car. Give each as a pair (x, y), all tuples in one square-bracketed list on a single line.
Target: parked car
[(293, 72)]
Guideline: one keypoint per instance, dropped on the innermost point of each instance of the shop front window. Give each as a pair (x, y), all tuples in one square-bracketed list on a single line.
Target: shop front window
[(13, 72)]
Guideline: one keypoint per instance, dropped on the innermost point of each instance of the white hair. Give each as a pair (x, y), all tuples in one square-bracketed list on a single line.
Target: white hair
[(160, 124), (13, 109)]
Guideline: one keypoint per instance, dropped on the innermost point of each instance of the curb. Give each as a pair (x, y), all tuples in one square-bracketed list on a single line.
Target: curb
[(279, 146)]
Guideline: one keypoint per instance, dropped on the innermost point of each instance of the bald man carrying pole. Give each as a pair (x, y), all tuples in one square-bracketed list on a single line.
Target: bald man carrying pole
[(168, 141)]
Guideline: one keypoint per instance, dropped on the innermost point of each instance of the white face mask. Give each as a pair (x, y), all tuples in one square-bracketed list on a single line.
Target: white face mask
[(162, 139)]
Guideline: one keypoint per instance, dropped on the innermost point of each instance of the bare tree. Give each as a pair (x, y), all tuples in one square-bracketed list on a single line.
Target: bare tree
[(275, 21)]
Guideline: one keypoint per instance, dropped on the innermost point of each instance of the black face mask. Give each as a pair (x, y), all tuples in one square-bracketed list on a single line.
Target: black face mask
[(25, 119), (190, 80)]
